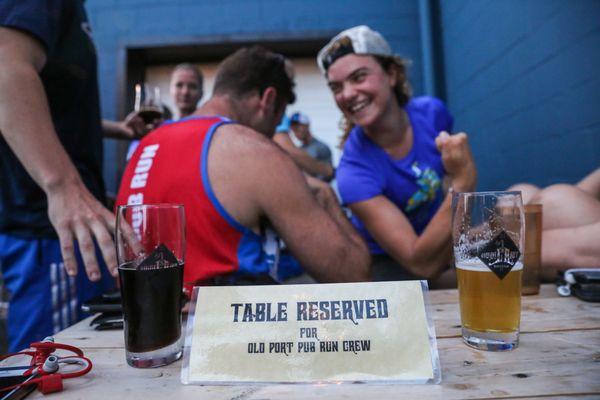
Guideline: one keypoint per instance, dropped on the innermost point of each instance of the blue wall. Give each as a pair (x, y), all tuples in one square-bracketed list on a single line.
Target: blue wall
[(523, 79), (120, 22), (521, 76)]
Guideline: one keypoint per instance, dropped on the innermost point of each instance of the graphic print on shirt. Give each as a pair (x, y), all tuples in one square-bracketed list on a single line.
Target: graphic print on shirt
[(428, 181)]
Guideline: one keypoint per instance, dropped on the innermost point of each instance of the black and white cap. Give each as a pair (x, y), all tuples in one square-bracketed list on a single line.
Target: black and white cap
[(358, 40)]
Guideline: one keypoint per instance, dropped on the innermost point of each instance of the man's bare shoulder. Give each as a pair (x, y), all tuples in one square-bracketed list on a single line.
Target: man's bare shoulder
[(246, 170), (236, 140)]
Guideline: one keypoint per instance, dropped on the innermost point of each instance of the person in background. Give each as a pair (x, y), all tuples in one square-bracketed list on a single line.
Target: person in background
[(54, 228), (302, 159), (300, 125), (399, 164), (247, 192), (570, 223), (186, 88)]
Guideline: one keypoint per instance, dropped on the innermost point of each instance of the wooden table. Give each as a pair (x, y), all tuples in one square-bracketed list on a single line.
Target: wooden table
[(558, 357)]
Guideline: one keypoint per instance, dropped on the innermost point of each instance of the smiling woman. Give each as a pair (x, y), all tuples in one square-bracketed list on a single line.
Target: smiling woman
[(399, 160), (186, 88)]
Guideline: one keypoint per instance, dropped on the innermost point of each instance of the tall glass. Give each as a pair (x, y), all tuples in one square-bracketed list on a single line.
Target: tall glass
[(150, 251), (532, 259), (488, 233)]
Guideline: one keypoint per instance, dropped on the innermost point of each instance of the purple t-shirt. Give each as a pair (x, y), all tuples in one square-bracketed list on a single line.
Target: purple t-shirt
[(413, 183)]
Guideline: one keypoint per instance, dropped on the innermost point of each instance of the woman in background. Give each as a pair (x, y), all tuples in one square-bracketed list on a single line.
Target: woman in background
[(400, 164)]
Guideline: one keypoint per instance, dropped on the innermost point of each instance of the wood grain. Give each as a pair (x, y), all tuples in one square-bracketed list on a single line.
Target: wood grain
[(558, 358)]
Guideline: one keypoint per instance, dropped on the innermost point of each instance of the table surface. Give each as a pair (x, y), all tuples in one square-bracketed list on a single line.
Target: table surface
[(558, 357)]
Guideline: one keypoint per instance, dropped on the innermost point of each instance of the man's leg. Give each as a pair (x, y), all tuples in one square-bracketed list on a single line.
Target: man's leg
[(43, 298), (570, 248), (29, 312), (567, 206), (591, 184), (571, 229), (527, 190)]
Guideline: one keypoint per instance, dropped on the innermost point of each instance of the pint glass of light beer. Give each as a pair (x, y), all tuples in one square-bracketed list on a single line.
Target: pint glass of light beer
[(488, 236)]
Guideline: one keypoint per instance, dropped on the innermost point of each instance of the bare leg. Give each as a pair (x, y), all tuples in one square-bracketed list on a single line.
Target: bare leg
[(571, 229), (567, 206), (570, 248), (527, 190), (591, 184)]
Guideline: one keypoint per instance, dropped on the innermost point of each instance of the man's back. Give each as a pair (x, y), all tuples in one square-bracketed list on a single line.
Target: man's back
[(171, 166), (233, 183)]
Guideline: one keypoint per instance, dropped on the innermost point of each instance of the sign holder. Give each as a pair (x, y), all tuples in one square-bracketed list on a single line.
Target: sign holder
[(241, 335)]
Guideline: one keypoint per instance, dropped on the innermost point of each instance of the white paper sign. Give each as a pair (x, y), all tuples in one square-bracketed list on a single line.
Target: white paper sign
[(311, 333)]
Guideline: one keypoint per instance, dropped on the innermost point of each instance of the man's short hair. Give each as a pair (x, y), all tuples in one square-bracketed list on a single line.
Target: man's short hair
[(192, 68), (252, 69)]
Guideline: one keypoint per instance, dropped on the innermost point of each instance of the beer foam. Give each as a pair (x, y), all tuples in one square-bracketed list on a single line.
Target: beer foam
[(477, 265)]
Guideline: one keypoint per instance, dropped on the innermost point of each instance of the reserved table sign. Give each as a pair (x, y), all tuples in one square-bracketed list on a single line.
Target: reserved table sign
[(357, 332)]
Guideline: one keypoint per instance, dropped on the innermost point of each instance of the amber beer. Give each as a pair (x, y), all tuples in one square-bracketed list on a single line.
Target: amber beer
[(488, 303), (487, 235)]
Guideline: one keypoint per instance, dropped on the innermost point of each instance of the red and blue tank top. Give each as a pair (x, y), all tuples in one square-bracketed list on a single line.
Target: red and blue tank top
[(170, 166)]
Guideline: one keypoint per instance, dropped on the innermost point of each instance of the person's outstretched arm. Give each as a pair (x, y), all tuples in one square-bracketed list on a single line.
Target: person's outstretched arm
[(27, 127), (131, 128), (255, 179)]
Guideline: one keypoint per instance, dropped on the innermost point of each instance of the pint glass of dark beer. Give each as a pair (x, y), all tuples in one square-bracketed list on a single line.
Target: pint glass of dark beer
[(488, 236), (150, 251)]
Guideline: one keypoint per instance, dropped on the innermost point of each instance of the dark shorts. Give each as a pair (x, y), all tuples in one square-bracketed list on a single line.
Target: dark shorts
[(385, 268)]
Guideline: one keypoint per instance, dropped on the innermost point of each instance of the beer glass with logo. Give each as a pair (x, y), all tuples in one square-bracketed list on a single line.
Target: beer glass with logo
[(488, 235), (150, 251)]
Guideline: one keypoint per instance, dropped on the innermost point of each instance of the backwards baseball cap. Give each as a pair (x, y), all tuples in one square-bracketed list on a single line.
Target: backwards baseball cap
[(299, 118), (358, 40)]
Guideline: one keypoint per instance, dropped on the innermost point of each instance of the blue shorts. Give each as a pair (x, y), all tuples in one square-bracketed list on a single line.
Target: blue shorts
[(43, 298)]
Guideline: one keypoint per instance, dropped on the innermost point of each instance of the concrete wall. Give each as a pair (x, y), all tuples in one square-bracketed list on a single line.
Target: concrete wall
[(523, 79), (116, 23)]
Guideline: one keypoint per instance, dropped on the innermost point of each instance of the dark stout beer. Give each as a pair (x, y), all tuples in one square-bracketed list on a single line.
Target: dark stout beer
[(151, 305), (149, 114)]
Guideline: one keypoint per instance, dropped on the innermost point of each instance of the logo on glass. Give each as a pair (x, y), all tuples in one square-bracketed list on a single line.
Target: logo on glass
[(160, 258), (500, 254)]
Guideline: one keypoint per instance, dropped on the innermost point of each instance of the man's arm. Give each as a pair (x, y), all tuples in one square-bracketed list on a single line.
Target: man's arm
[(132, 127), (119, 130), (302, 159), (264, 182), (26, 125)]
